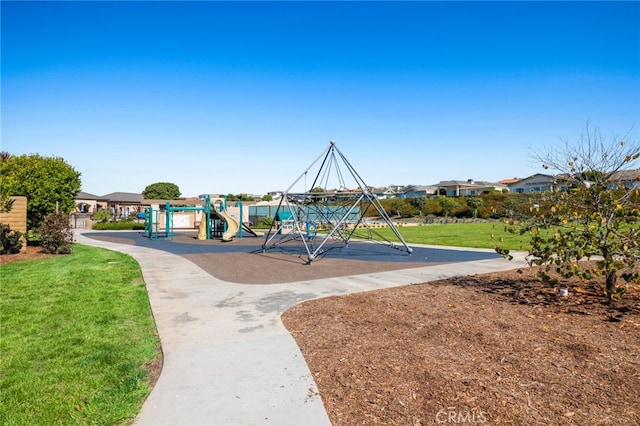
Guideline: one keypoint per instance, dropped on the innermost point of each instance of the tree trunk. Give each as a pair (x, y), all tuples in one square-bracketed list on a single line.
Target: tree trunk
[(611, 284)]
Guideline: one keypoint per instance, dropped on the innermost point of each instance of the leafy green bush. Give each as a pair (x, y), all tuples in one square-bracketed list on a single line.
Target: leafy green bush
[(118, 226), (33, 237), (265, 222), (102, 215), (56, 236), (10, 240), (49, 183)]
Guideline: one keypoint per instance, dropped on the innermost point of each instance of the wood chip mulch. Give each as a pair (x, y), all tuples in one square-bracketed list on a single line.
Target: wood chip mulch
[(498, 348)]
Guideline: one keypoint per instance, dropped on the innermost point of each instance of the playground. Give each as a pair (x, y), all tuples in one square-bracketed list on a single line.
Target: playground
[(213, 219), (319, 229), (244, 261)]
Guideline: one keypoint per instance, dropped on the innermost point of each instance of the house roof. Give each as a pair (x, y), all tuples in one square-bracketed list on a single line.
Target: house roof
[(472, 183), (509, 181), (87, 196), (123, 197), (626, 175), (417, 188), (535, 176)]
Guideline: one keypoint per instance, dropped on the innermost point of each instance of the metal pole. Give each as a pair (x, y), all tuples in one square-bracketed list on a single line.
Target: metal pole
[(239, 204), (167, 221)]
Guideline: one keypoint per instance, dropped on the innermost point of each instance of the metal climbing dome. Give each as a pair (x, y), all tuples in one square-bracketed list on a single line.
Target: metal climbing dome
[(327, 206)]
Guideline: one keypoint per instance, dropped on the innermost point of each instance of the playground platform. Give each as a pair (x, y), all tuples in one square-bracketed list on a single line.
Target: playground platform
[(228, 360)]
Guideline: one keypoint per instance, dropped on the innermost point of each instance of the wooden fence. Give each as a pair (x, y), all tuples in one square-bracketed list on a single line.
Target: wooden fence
[(16, 218)]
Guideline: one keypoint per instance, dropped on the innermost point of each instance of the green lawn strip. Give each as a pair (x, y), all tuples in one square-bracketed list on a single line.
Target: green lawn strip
[(476, 235), (76, 333)]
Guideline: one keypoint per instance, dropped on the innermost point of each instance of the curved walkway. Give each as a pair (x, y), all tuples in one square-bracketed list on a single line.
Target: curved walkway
[(228, 360)]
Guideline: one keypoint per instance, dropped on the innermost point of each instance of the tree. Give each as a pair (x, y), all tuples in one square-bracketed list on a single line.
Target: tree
[(474, 204), (447, 204), (161, 191), (396, 204), (419, 203), (596, 217), (239, 197), (49, 183), (6, 202)]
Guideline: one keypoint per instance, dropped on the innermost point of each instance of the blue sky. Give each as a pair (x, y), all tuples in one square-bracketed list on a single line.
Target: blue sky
[(230, 97)]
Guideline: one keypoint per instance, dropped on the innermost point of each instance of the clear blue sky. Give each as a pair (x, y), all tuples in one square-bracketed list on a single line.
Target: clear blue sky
[(241, 97)]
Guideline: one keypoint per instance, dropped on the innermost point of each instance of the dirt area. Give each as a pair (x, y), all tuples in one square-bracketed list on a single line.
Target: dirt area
[(497, 348), (31, 252)]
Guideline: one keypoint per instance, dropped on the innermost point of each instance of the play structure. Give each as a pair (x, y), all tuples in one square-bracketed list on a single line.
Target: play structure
[(213, 218), (330, 210)]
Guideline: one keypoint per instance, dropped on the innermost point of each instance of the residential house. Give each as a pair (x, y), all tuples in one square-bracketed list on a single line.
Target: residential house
[(87, 203), (469, 187), (536, 183), (630, 179), (404, 191), (509, 181), (124, 204), (121, 204), (384, 192), (413, 191)]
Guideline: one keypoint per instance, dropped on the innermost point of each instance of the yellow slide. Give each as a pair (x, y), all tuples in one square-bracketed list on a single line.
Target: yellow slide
[(232, 226)]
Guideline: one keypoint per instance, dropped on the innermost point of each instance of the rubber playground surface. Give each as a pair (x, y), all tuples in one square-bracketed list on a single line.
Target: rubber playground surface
[(243, 261)]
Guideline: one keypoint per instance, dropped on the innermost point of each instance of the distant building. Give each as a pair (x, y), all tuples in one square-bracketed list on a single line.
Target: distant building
[(469, 187), (121, 204), (509, 181), (630, 179), (87, 203), (413, 191), (535, 183), (124, 204), (404, 191)]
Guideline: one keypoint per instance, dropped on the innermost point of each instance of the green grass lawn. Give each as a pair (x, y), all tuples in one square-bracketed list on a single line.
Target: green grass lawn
[(76, 334), (478, 235)]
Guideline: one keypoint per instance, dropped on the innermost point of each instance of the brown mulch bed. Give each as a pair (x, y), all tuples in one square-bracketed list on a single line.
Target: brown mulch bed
[(497, 348), (28, 253)]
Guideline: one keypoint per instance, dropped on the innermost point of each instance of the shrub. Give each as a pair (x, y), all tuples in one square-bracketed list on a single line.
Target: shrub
[(56, 236), (118, 226), (33, 237), (265, 222), (102, 215), (10, 240)]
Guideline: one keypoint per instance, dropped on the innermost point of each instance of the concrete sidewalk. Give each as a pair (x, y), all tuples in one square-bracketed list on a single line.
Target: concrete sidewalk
[(228, 360)]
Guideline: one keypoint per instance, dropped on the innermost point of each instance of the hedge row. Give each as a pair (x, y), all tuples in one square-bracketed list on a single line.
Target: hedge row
[(118, 226)]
